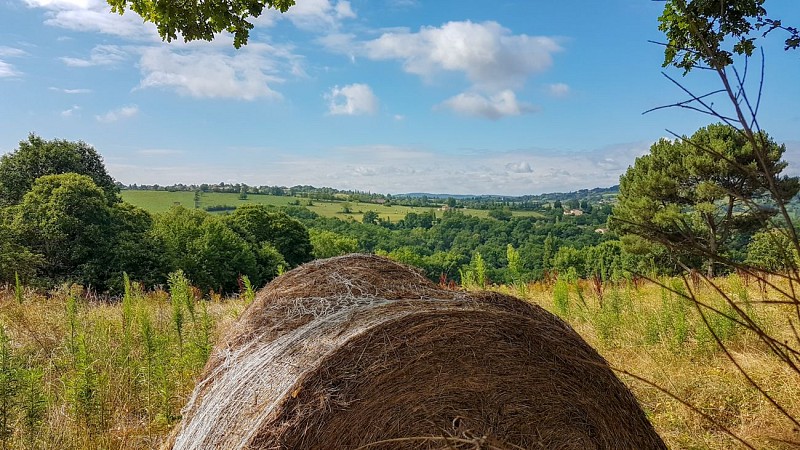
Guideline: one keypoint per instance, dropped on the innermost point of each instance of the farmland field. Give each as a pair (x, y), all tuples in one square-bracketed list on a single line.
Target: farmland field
[(160, 201)]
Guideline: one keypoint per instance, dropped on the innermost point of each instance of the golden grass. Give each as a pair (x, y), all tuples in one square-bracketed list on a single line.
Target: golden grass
[(692, 368), (639, 329)]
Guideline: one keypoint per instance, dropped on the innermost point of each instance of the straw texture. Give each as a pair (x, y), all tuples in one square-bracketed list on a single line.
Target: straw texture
[(362, 352)]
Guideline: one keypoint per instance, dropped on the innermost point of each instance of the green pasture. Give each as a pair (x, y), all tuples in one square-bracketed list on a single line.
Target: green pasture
[(160, 201)]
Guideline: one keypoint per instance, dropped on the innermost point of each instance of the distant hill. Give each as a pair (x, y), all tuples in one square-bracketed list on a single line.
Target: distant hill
[(477, 201), (551, 196)]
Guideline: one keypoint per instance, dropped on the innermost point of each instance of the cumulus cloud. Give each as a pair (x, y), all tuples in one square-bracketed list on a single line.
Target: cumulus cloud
[(493, 60), (351, 100), (101, 55), (204, 73), (93, 15), (558, 89), (502, 104), (115, 115), (319, 15), (520, 167), (488, 54)]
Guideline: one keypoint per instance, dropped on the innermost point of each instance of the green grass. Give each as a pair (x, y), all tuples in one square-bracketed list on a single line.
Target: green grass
[(160, 201)]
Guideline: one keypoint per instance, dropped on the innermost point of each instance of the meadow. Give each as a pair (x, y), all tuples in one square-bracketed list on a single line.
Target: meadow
[(78, 372), (160, 201)]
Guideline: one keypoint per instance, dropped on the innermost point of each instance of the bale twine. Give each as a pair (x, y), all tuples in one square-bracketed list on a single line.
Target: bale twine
[(361, 352)]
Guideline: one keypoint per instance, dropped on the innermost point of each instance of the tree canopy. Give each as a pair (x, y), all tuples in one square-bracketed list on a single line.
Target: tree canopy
[(201, 20), (258, 225), (64, 219), (695, 193), (697, 29), (211, 254), (37, 157)]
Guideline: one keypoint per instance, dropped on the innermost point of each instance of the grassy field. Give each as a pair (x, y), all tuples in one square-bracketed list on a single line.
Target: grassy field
[(78, 373), (159, 201)]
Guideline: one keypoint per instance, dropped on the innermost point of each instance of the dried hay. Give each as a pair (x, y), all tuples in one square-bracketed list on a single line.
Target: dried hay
[(362, 352)]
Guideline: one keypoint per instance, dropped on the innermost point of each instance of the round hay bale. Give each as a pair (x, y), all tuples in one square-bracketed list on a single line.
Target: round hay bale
[(362, 352)]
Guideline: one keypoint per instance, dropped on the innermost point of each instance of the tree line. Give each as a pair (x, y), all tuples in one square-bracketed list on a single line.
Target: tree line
[(62, 220)]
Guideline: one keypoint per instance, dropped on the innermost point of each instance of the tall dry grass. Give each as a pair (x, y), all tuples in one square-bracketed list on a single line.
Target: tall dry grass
[(653, 333), (79, 373), (82, 373)]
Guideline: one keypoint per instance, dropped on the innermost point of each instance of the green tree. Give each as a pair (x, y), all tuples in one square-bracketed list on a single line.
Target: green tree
[(37, 157), (257, 224), (514, 264), (697, 30), (195, 21), (133, 250), (66, 220), (500, 214), (270, 262), (692, 195), (773, 251), (567, 258), (547, 252), (328, 243), (370, 217), (209, 253), (15, 258)]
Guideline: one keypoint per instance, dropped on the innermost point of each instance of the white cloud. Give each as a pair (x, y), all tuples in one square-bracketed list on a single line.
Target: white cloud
[(118, 114), (129, 25), (392, 169), (94, 15), (205, 73), (71, 91), (7, 70), (494, 61), (558, 89), (488, 54), (60, 4), (520, 167), (71, 111), (101, 55), (502, 104), (792, 156), (319, 15), (351, 100), (11, 51)]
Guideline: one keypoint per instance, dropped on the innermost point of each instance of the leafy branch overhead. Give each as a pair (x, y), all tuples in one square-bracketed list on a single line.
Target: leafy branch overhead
[(201, 20), (697, 31)]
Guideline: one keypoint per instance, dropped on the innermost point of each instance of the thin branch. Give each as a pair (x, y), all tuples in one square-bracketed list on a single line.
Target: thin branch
[(685, 102)]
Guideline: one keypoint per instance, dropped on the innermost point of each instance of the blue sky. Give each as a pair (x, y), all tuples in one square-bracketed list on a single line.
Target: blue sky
[(391, 96)]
